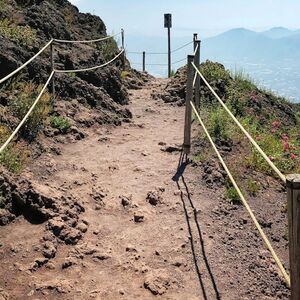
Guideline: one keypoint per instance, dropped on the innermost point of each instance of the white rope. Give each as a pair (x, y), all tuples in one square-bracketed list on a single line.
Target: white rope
[(181, 47), (195, 78), (86, 41), (272, 165), (244, 201), (25, 64), (196, 49), (28, 113), (92, 68), (178, 61)]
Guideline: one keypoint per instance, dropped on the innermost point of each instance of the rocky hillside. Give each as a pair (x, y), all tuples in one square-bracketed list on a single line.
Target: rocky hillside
[(82, 99), (271, 120)]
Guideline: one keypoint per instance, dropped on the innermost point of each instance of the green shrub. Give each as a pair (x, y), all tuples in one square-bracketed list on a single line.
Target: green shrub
[(173, 73), (253, 187), (108, 48), (124, 74), (21, 103), (24, 35), (219, 123), (232, 195), (215, 72), (13, 158), (61, 123)]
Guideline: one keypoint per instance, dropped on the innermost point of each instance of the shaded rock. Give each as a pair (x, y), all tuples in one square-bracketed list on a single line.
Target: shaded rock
[(157, 283)]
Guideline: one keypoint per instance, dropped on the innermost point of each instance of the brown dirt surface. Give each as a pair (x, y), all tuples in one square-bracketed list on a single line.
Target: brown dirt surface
[(124, 216)]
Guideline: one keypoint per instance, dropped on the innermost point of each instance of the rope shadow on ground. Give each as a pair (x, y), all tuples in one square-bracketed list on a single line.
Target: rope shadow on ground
[(187, 201)]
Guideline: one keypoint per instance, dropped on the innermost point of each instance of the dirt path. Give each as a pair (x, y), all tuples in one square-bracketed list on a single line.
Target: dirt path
[(136, 247)]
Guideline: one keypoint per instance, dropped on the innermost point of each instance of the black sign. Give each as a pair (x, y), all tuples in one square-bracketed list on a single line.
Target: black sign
[(168, 21)]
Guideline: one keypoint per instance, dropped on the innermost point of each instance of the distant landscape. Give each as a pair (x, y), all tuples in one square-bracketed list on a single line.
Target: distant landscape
[(270, 58)]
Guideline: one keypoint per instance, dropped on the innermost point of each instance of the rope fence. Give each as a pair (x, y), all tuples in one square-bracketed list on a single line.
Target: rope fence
[(292, 182), (51, 77), (27, 114), (87, 41), (91, 68), (243, 199), (247, 134)]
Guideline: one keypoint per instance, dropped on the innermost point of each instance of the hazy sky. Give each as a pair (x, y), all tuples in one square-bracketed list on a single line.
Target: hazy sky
[(207, 17)]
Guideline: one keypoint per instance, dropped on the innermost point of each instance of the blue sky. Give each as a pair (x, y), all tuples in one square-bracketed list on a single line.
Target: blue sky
[(208, 17)]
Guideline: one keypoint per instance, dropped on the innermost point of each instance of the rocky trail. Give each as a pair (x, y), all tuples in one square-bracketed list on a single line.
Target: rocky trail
[(146, 225)]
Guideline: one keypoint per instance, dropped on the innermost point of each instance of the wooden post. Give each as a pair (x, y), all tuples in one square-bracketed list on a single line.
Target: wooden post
[(52, 69), (195, 38), (168, 24), (169, 53), (144, 61), (293, 203), (123, 47), (197, 64), (188, 107)]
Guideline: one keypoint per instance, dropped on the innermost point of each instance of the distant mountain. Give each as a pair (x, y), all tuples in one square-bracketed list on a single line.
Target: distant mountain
[(279, 32), (274, 44)]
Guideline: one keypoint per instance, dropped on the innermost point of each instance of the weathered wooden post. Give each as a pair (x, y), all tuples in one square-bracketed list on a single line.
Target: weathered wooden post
[(144, 61), (52, 69), (123, 47), (195, 38), (293, 204), (168, 24), (188, 107), (197, 64)]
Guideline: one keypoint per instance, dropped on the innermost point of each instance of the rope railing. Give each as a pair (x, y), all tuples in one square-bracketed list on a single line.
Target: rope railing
[(91, 68), (27, 114), (292, 182), (247, 134), (26, 63), (14, 133), (87, 41), (183, 46), (243, 199)]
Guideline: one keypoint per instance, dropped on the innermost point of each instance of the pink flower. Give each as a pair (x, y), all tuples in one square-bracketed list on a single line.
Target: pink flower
[(293, 156), (273, 130), (253, 97), (258, 138), (285, 138), (286, 146), (276, 123)]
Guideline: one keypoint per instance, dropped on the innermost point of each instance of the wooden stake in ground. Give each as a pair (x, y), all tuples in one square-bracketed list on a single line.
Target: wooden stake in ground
[(293, 193)]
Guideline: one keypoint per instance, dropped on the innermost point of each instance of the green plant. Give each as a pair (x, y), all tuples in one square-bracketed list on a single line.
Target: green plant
[(173, 73), (232, 195), (13, 158), (124, 74), (215, 72), (26, 94), (24, 35), (108, 48), (219, 123), (61, 123), (253, 187)]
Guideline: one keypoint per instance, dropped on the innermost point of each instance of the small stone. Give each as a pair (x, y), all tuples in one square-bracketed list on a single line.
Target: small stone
[(82, 227), (138, 218), (68, 263)]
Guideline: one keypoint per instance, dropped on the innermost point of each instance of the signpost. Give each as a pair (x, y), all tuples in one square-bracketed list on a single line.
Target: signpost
[(168, 24)]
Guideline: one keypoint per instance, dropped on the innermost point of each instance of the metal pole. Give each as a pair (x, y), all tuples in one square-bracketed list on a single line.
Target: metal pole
[(197, 44), (169, 53), (52, 68), (144, 61), (188, 107), (123, 47), (293, 198)]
